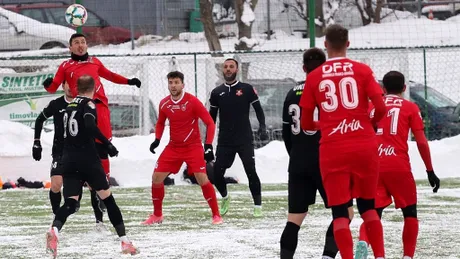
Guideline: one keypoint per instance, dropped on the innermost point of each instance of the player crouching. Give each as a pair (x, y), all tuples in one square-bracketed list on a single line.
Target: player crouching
[(183, 111)]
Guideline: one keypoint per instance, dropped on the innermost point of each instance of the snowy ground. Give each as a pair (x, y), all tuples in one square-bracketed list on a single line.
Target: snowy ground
[(187, 231)]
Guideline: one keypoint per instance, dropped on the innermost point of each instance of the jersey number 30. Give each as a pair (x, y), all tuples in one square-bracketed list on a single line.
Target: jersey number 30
[(348, 89), (294, 110), (73, 124)]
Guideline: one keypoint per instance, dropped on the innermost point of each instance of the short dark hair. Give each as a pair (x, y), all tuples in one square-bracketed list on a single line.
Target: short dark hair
[(336, 37), (85, 84), (176, 74), (313, 58), (393, 82), (232, 59), (76, 35)]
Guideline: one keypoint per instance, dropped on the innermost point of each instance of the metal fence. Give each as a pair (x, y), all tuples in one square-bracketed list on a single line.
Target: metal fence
[(433, 73)]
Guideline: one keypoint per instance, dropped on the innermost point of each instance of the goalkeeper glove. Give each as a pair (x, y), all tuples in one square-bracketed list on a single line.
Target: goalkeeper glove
[(134, 81), (208, 153), (434, 180), (154, 145), (37, 150)]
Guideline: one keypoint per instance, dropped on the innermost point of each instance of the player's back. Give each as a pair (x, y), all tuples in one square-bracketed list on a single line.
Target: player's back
[(183, 119), (393, 133), (342, 88), (78, 140), (304, 153)]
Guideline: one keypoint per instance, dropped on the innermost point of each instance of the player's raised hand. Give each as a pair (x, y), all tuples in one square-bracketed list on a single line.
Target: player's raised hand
[(134, 81), (434, 180), (208, 153), (47, 82), (154, 145), (112, 150), (37, 150)]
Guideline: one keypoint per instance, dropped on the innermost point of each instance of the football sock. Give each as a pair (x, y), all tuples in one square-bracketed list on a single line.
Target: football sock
[(158, 194), (219, 180), (374, 232), (95, 204), (343, 237), (67, 209), (55, 199), (115, 215), (330, 247), (210, 196), (409, 236), (288, 242), (254, 187), (363, 233)]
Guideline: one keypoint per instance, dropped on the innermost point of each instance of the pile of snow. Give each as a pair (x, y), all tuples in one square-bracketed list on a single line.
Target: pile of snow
[(134, 165)]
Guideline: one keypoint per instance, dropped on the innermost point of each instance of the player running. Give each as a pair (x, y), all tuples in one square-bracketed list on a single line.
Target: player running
[(348, 156), (304, 174), (80, 163), (395, 175), (183, 111), (70, 70)]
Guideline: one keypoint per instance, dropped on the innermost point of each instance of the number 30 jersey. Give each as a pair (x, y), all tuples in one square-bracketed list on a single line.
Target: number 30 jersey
[(393, 133), (304, 144), (341, 89)]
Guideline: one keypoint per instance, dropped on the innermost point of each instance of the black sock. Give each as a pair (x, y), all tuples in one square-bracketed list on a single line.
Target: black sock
[(289, 240), (255, 187), (115, 215), (95, 204), (330, 247), (55, 199), (219, 180), (64, 212)]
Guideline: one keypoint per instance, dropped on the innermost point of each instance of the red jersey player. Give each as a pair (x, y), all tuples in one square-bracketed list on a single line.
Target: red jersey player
[(183, 111), (348, 156), (70, 70), (395, 176)]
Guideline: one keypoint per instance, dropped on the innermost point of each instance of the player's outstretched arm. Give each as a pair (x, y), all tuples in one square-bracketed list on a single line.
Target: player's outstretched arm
[(52, 84), (424, 150), (114, 77)]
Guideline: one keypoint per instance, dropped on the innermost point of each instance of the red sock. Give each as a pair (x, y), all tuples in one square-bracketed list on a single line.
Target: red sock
[(410, 233), (106, 166), (158, 193), (374, 231), (342, 236), (210, 196), (363, 233)]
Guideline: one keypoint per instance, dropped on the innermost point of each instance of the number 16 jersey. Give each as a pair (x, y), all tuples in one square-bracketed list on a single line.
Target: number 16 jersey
[(341, 89)]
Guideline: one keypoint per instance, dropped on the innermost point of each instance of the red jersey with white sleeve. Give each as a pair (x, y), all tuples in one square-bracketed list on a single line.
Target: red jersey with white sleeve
[(393, 133), (70, 70), (183, 118), (341, 89)]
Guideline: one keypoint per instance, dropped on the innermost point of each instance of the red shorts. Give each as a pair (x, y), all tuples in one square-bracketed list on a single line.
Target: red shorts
[(103, 120), (400, 186), (172, 157), (349, 174)]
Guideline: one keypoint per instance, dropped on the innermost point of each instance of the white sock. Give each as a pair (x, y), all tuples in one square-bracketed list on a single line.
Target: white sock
[(379, 258), (56, 232), (407, 257), (327, 257), (124, 239), (226, 197), (258, 206)]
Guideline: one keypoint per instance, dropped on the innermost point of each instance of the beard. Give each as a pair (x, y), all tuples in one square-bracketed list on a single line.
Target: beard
[(176, 94), (230, 78)]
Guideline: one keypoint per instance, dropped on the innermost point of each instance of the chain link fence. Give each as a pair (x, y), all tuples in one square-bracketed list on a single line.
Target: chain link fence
[(431, 73)]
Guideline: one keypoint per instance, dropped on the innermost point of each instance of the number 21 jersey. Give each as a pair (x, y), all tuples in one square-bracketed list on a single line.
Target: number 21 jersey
[(341, 89)]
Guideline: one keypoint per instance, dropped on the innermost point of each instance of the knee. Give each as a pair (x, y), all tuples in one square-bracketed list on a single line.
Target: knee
[(71, 205), (56, 184), (365, 205), (351, 212), (340, 211), (410, 211)]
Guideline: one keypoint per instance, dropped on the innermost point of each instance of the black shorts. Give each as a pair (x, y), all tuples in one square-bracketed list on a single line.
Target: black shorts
[(75, 173), (302, 187), (56, 166), (225, 156)]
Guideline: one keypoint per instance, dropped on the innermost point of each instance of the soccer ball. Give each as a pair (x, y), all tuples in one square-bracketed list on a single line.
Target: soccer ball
[(76, 15)]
